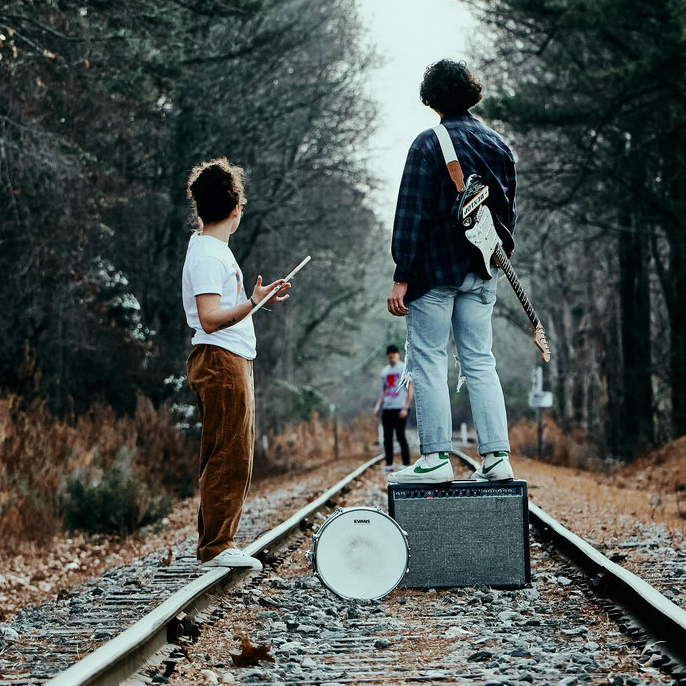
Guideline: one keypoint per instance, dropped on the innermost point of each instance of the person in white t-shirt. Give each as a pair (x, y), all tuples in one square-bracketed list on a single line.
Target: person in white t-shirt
[(220, 370), (393, 405)]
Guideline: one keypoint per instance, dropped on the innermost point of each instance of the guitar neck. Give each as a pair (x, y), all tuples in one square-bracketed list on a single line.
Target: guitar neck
[(505, 264)]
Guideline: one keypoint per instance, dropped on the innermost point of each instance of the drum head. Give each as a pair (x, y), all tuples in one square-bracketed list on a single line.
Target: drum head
[(360, 553)]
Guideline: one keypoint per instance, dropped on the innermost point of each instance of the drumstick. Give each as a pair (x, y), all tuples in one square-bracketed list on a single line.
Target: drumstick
[(279, 287)]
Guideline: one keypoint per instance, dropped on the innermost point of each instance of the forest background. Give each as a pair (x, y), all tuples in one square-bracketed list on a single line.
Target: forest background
[(104, 108)]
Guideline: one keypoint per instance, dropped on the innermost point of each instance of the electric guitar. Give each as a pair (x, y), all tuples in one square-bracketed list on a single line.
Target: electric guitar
[(473, 216)]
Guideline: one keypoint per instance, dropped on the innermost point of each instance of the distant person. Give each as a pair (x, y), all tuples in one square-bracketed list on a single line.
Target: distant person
[(220, 370), (436, 286), (393, 405)]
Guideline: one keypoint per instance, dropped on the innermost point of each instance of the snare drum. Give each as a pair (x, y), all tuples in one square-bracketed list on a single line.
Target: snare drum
[(359, 553)]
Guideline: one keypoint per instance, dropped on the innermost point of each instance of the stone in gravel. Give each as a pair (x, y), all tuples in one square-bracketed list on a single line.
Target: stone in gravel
[(291, 647), (456, 632), (520, 652), (577, 631), (564, 581), (531, 593), (381, 643), (480, 656), (353, 612), (7, 636), (268, 614), (210, 676), (508, 616)]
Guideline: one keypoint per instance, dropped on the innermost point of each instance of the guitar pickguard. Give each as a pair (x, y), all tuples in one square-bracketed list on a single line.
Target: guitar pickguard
[(484, 237)]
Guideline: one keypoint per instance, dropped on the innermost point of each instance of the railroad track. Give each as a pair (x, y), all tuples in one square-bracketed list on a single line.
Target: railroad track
[(318, 638)]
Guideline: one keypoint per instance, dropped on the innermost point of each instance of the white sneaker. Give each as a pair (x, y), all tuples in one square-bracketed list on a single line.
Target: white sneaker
[(495, 467), (436, 469), (233, 557), (387, 468)]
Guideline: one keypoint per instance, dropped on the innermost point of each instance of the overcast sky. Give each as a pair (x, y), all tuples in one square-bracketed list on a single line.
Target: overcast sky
[(409, 35)]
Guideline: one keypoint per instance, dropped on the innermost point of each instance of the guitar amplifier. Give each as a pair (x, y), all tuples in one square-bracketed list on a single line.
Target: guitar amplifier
[(464, 533)]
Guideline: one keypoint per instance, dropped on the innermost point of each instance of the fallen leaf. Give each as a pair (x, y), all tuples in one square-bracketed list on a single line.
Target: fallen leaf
[(250, 655)]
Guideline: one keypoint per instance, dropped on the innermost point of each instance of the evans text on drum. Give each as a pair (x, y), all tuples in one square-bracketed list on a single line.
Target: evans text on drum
[(359, 553)]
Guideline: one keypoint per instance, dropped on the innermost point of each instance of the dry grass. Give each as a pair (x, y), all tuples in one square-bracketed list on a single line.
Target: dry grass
[(313, 443), (558, 447), (38, 453), (653, 488)]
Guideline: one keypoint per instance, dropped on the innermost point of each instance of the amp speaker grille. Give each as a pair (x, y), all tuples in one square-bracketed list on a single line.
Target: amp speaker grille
[(464, 533)]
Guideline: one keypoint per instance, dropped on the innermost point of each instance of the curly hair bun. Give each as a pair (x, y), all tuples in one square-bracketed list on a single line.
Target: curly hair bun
[(449, 88)]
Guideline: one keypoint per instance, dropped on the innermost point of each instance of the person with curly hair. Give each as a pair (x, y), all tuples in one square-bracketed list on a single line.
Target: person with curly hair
[(436, 285), (219, 366)]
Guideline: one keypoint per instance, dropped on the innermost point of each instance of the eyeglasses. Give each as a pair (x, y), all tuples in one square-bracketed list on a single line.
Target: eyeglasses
[(243, 204)]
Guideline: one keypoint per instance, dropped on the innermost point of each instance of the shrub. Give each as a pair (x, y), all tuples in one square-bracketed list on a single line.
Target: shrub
[(312, 443), (567, 449), (42, 457), (164, 456), (119, 502)]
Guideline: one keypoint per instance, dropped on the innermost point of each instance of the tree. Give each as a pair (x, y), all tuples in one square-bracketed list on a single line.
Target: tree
[(593, 92), (105, 109)]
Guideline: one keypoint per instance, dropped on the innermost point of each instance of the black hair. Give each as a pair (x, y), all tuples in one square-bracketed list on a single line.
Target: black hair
[(215, 189), (392, 349), (449, 88)]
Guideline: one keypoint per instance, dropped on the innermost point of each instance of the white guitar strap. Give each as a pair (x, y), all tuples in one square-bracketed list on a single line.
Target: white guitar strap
[(450, 157)]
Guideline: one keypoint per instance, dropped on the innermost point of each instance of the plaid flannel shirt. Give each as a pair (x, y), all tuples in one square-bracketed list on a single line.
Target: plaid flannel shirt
[(427, 251)]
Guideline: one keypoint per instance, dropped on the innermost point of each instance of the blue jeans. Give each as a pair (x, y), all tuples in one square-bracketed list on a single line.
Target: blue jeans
[(468, 310)]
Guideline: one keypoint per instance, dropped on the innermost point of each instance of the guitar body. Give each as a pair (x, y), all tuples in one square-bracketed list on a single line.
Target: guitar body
[(484, 237), (471, 215)]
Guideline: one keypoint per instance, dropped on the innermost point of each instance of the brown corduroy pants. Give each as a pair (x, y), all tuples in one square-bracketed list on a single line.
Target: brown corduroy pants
[(223, 385)]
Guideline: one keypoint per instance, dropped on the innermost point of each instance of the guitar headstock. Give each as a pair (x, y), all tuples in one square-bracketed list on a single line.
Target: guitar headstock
[(541, 343)]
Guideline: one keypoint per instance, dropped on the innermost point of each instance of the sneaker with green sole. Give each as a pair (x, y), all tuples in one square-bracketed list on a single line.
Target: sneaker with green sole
[(425, 471), (495, 467)]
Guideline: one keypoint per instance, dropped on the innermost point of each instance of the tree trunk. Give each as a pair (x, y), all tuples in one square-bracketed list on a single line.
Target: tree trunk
[(637, 401), (676, 306)]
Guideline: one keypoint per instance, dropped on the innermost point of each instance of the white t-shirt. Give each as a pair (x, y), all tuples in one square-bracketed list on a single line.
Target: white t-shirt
[(211, 267), (394, 395)]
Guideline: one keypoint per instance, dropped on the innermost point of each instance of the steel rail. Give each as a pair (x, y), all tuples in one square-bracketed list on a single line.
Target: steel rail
[(657, 614), (120, 657)]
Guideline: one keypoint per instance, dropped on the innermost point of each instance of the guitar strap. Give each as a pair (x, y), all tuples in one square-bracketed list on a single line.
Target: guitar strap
[(450, 157)]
